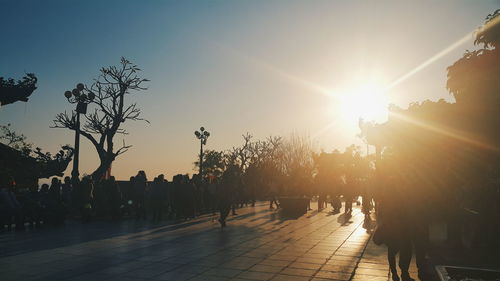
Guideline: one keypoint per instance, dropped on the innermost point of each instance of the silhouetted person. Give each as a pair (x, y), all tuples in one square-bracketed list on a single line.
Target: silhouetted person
[(251, 191), (183, 197), (10, 207), (165, 193), (210, 196), (157, 197), (397, 225), (205, 197), (367, 223), (101, 201), (273, 194), (128, 197), (86, 190), (349, 195), (367, 199), (321, 186), (225, 190), (188, 197), (336, 203), (66, 192), (236, 192), (197, 184), (114, 196), (335, 191), (250, 179), (31, 206), (43, 197), (239, 197), (140, 183), (418, 198), (177, 196), (55, 207), (76, 197), (169, 190)]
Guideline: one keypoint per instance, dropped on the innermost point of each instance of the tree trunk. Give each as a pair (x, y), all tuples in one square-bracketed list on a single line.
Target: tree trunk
[(103, 167)]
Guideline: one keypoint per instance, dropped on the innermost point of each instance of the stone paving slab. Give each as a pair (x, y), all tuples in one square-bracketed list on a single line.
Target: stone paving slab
[(258, 244)]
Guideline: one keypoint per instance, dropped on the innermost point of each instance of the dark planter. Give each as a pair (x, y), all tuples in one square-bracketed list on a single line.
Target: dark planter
[(294, 206), (456, 273)]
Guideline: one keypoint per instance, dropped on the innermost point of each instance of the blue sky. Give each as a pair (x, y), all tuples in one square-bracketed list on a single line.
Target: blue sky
[(231, 66)]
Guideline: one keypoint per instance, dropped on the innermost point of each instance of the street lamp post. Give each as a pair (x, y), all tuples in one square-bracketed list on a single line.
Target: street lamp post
[(82, 100), (202, 135)]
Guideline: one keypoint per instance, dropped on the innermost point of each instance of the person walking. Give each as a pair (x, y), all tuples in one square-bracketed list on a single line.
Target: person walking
[(225, 193), (397, 226), (273, 194)]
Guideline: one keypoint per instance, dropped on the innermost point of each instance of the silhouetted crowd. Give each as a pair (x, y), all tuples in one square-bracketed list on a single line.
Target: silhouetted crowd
[(180, 199), (404, 201)]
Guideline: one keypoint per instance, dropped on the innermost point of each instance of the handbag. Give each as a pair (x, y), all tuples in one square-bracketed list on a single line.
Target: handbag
[(380, 235)]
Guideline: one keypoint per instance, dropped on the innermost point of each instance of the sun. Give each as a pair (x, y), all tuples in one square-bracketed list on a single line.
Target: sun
[(367, 101)]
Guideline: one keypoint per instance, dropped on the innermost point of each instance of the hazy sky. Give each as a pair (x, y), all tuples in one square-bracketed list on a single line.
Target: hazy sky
[(231, 66)]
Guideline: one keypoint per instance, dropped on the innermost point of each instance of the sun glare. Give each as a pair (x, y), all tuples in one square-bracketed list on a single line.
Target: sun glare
[(366, 101)]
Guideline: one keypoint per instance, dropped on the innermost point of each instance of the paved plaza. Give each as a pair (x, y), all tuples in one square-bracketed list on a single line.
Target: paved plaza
[(257, 244)]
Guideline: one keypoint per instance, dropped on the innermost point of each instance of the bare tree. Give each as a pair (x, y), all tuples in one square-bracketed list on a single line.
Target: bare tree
[(295, 156), (264, 150), (110, 89), (253, 153), (240, 156), (14, 140)]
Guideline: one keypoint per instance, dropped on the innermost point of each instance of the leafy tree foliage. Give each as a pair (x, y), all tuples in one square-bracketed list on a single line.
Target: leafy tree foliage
[(213, 163), (471, 121), (12, 90), (443, 148), (20, 161), (473, 79)]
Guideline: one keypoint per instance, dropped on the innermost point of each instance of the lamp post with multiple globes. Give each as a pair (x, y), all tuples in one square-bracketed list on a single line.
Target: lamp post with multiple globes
[(82, 100), (202, 135)]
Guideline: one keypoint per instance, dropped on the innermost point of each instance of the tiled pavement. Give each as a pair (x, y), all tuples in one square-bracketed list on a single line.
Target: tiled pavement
[(256, 245)]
